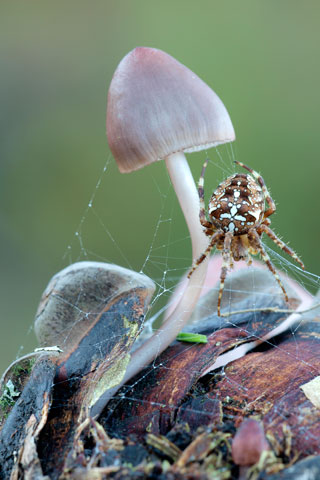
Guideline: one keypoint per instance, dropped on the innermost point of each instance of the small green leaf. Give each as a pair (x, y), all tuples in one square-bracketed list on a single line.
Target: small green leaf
[(192, 337)]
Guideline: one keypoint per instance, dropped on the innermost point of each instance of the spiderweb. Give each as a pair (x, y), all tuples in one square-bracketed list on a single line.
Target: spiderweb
[(163, 261), (168, 258)]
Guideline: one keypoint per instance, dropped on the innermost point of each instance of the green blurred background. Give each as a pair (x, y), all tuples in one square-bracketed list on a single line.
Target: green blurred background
[(56, 62)]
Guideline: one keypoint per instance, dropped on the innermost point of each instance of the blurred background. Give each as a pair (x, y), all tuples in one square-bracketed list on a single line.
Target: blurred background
[(62, 198)]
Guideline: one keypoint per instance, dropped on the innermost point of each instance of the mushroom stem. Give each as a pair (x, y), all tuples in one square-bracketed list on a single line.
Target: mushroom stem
[(187, 194)]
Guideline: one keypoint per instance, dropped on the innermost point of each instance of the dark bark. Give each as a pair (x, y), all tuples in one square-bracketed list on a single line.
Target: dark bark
[(172, 421)]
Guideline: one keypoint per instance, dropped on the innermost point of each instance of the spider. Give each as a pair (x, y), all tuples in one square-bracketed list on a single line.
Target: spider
[(237, 219)]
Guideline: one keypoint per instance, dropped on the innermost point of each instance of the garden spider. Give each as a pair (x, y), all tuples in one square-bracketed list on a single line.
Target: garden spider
[(237, 219)]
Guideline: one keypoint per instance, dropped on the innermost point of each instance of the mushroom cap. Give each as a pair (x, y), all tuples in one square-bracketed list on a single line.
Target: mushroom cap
[(249, 442), (157, 107)]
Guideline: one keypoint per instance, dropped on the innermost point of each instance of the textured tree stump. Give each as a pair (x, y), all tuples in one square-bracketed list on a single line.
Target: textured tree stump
[(175, 419)]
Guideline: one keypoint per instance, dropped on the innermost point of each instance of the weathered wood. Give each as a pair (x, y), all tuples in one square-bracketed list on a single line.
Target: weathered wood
[(101, 357), (94, 312), (31, 408), (172, 421)]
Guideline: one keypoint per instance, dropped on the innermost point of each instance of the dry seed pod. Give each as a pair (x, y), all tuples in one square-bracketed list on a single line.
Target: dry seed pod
[(94, 312), (76, 296)]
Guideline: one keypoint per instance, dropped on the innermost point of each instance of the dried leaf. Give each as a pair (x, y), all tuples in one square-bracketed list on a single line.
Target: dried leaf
[(312, 391)]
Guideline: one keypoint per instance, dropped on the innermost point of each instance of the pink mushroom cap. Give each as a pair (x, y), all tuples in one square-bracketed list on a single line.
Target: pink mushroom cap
[(248, 443), (157, 107)]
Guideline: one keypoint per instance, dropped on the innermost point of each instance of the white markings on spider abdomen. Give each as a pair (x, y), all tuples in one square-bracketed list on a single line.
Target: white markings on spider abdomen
[(237, 204)]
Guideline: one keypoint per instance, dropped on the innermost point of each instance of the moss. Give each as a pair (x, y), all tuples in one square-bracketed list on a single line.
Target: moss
[(24, 368), (8, 398)]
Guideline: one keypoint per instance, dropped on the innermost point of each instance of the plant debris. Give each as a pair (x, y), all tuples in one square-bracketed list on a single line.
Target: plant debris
[(173, 421)]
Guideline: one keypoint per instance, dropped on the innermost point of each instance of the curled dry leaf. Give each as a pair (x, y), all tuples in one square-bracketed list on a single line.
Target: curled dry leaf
[(94, 312)]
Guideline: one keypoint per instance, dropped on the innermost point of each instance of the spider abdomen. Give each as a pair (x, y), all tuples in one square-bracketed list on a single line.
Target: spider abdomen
[(237, 204)]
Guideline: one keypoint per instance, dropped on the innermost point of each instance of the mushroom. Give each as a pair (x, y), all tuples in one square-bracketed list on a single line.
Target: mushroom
[(159, 109), (249, 443)]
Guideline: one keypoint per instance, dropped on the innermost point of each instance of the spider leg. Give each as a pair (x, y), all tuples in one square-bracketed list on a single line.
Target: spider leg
[(227, 259), (212, 243), (254, 238), (202, 214), (280, 243), (267, 196)]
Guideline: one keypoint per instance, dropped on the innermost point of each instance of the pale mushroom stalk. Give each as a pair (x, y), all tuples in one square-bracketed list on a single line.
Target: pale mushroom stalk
[(158, 109), (188, 196), (178, 169), (187, 193)]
